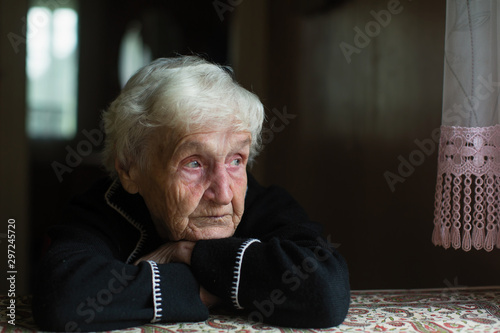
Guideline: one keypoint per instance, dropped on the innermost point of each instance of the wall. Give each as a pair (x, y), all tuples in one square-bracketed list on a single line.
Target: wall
[(345, 124), (356, 120), (14, 199)]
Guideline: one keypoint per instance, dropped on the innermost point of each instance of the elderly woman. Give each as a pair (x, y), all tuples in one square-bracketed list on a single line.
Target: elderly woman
[(180, 226)]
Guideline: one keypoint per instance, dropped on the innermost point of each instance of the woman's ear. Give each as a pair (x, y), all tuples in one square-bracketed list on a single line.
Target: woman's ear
[(129, 178)]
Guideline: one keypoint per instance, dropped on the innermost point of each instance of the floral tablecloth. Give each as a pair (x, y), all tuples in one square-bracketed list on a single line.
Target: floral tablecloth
[(422, 310)]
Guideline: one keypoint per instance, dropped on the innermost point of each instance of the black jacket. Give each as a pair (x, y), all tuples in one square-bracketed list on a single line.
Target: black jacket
[(276, 267)]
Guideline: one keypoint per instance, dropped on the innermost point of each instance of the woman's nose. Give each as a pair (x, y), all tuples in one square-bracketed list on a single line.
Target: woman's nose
[(219, 190)]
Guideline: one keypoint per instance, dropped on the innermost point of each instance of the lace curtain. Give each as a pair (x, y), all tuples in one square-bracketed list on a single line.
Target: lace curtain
[(467, 199)]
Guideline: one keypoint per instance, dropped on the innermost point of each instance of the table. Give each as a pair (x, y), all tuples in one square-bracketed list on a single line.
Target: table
[(414, 310)]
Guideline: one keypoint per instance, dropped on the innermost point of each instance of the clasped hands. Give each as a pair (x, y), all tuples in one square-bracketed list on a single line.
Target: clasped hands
[(179, 252)]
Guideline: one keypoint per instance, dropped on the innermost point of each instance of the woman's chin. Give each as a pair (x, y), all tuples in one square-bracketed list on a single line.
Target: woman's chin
[(210, 232)]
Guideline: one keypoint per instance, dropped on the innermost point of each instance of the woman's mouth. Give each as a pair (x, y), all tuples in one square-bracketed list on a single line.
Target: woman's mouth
[(205, 220)]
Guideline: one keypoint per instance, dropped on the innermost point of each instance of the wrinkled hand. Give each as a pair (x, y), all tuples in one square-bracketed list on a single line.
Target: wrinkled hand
[(171, 252), (207, 298)]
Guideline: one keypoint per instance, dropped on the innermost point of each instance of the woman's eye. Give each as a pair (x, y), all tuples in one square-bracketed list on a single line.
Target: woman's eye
[(236, 162), (193, 164)]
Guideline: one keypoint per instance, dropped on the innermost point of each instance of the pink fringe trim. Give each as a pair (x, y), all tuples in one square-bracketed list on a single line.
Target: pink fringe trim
[(467, 200)]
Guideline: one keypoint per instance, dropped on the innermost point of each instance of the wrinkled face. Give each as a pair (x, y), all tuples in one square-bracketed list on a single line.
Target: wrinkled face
[(195, 188)]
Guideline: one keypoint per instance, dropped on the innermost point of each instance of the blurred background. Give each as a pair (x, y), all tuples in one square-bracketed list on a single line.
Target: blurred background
[(352, 90)]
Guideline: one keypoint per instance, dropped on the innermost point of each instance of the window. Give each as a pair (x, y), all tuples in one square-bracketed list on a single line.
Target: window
[(134, 53), (52, 69)]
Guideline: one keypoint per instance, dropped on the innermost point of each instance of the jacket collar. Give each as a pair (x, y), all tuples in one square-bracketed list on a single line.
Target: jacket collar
[(134, 210)]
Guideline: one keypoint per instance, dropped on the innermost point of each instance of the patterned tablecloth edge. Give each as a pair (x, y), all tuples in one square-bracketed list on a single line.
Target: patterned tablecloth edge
[(386, 315), (413, 291)]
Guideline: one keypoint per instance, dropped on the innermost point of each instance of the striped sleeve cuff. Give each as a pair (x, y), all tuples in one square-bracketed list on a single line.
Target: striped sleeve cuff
[(157, 298), (237, 272)]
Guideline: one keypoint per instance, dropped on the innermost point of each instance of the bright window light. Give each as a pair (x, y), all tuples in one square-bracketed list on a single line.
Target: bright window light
[(65, 33), (134, 53), (52, 71)]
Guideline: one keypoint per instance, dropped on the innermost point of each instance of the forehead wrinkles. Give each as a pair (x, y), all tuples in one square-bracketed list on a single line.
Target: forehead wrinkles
[(205, 143)]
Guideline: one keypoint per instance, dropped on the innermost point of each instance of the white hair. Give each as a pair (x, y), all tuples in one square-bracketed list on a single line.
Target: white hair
[(178, 95)]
